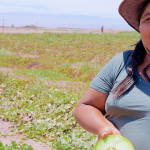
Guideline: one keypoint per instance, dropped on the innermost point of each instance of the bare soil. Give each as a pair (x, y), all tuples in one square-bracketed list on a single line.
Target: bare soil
[(5, 129), (55, 30)]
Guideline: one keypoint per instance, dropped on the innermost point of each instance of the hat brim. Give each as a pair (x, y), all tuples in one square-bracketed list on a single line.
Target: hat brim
[(128, 9)]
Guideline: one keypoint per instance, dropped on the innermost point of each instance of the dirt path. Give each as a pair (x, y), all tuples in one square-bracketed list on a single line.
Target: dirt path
[(7, 126)]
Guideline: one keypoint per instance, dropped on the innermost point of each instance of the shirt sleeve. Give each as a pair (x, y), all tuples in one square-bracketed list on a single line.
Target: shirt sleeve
[(104, 80)]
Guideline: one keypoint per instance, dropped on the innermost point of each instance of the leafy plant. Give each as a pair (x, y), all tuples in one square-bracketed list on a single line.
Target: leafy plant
[(44, 75)]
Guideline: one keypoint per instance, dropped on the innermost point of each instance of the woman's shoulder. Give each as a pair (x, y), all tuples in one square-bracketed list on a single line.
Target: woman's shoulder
[(121, 59), (123, 55), (105, 79)]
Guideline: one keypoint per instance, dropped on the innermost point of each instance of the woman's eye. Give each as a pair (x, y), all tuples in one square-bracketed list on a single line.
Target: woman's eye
[(148, 19)]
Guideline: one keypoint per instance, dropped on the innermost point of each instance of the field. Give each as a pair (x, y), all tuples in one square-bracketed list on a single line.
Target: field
[(43, 75)]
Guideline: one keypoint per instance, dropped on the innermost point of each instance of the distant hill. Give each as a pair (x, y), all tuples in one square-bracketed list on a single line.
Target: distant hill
[(61, 21)]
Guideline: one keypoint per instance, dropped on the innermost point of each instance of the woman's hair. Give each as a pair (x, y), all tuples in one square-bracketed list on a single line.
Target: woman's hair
[(137, 57)]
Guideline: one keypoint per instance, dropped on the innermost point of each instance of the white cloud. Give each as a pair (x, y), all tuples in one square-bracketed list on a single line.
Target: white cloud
[(21, 9), (80, 7)]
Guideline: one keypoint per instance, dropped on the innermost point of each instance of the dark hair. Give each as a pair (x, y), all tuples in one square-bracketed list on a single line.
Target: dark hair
[(137, 57)]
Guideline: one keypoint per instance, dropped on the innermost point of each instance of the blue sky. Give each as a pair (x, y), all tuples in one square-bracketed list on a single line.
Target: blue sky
[(100, 8)]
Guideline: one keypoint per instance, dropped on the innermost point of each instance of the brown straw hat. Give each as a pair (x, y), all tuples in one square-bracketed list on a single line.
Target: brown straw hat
[(128, 9)]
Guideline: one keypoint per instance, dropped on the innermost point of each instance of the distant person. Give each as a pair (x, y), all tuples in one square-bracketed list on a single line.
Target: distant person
[(121, 90), (102, 29)]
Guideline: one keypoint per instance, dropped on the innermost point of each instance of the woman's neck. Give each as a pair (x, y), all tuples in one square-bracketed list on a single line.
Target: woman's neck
[(146, 60)]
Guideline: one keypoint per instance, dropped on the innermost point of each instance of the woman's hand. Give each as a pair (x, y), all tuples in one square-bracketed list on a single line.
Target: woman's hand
[(108, 131)]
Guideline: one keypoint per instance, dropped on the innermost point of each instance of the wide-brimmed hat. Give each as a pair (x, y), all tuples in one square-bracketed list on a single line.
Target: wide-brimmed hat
[(128, 9)]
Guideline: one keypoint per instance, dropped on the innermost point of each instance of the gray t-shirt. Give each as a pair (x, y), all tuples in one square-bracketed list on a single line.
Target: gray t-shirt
[(130, 113)]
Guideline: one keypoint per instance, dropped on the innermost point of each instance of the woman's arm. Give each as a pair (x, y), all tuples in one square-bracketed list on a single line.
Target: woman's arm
[(89, 114)]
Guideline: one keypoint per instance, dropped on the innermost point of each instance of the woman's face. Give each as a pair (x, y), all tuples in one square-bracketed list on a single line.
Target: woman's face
[(145, 28)]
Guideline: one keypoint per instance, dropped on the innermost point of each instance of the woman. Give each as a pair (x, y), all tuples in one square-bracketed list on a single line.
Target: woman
[(122, 88)]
